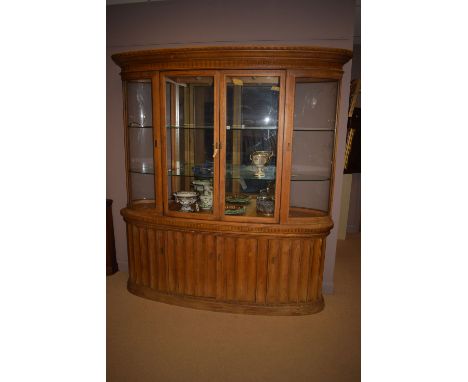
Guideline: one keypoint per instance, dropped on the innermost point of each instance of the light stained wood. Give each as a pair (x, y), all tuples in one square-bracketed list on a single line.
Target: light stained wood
[(273, 271), (322, 265), (171, 261), (180, 261), (251, 272), (230, 267), (210, 253), (230, 307), (320, 226), (328, 60), (270, 272), (242, 264), (162, 263), (305, 269), (144, 256), (130, 252), (284, 264), (220, 269), (316, 254), (294, 268), (136, 254), (189, 264), (153, 258), (262, 270), (200, 260)]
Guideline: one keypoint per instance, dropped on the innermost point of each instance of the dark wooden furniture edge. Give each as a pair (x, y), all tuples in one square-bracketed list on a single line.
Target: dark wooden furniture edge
[(111, 257), (220, 306), (321, 226), (233, 57)]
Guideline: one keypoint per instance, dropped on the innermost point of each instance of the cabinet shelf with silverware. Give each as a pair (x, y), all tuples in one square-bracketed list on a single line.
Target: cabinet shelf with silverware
[(230, 156)]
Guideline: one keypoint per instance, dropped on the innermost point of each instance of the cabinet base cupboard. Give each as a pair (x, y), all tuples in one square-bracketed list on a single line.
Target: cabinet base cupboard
[(230, 159)]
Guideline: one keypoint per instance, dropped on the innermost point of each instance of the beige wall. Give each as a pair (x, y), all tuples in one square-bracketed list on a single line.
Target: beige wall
[(208, 22)]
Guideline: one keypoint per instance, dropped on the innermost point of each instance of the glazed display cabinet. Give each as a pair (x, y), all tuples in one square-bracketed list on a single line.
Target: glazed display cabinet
[(230, 163)]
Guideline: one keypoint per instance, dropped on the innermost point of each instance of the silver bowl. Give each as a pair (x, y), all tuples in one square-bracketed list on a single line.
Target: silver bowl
[(186, 199)]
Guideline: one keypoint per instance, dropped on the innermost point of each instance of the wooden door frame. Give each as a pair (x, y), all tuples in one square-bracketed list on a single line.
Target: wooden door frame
[(162, 102), (281, 74), (291, 76)]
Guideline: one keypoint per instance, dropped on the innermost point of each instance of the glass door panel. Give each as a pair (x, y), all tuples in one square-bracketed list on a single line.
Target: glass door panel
[(190, 137), (313, 141), (140, 141), (251, 152)]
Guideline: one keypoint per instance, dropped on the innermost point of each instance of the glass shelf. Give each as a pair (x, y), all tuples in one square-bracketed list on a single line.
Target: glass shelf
[(251, 127), (202, 171), (134, 126), (309, 178), (190, 127), (312, 129), (141, 172), (189, 176), (248, 172)]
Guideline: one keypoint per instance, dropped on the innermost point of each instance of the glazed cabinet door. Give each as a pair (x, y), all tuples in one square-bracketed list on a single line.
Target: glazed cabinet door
[(311, 115), (251, 131), (141, 138), (189, 129)]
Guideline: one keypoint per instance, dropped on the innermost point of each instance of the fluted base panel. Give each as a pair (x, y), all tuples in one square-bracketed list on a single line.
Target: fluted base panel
[(263, 269), (234, 307)]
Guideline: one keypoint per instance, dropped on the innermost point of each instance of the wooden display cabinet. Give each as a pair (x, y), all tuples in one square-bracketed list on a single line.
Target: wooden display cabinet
[(230, 163)]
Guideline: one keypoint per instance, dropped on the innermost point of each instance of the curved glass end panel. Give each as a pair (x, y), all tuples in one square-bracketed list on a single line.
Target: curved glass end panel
[(140, 141), (312, 147)]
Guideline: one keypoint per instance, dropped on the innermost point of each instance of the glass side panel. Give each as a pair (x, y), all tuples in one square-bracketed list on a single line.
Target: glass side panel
[(190, 139), (142, 186), (139, 103), (140, 144), (140, 141), (251, 145), (312, 147)]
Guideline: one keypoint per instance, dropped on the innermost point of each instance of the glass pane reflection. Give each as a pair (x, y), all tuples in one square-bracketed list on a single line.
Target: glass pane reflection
[(190, 138), (251, 145), (312, 147)]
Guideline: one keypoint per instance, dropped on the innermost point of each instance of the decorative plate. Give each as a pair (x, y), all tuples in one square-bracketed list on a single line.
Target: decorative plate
[(231, 209), (238, 198)]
